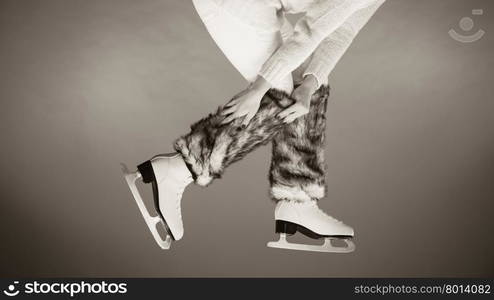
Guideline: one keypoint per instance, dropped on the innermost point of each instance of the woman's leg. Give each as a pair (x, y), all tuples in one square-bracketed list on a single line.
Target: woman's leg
[(297, 165), (297, 179), (210, 146)]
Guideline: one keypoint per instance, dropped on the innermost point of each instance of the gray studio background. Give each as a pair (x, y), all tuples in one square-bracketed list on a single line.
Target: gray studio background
[(85, 85)]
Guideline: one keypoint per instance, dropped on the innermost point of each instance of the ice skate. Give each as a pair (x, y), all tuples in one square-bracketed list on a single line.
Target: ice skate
[(169, 176), (308, 219)]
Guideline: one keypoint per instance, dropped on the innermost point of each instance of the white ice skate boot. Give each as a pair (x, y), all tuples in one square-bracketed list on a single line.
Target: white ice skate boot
[(308, 219), (169, 176)]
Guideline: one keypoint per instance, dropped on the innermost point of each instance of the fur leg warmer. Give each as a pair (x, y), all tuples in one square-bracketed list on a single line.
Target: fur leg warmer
[(297, 166), (210, 146)]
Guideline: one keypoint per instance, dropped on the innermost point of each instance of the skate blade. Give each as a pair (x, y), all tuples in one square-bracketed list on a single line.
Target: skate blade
[(152, 222), (282, 243)]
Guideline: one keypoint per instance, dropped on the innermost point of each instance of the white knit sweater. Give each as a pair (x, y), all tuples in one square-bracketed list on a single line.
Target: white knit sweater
[(326, 31), (323, 34)]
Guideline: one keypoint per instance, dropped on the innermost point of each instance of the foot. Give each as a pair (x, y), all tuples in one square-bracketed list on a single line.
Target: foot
[(309, 220), (169, 176)]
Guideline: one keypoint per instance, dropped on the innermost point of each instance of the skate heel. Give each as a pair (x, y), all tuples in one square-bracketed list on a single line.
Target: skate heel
[(146, 170), (285, 227)]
